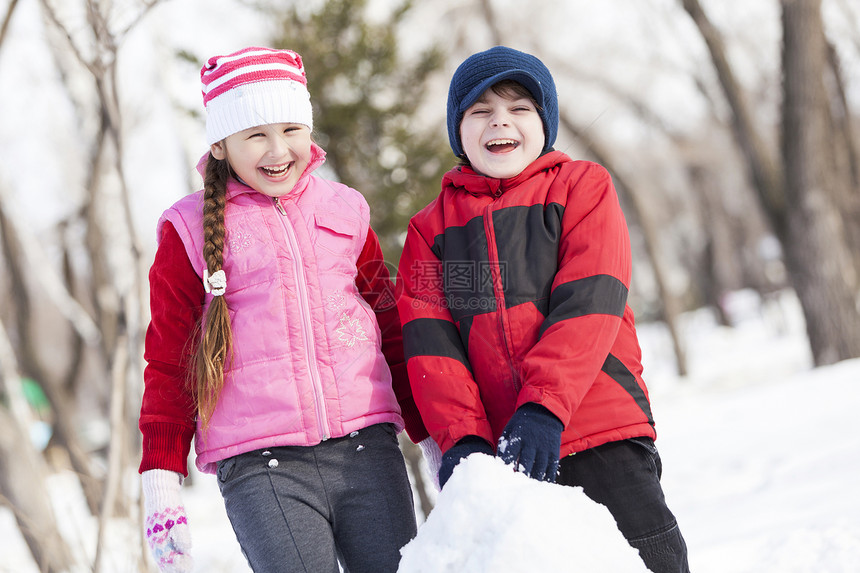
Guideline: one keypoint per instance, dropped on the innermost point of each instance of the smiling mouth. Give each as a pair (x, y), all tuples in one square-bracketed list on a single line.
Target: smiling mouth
[(501, 145), (276, 171)]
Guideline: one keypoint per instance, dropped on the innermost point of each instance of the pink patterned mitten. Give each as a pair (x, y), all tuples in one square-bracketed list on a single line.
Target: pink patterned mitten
[(166, 524)]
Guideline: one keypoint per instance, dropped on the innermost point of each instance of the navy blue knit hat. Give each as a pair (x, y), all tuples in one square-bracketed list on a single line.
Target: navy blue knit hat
[(484, 69)]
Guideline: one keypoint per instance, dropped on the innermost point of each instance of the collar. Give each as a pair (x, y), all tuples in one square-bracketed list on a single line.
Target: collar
[(472, 182)]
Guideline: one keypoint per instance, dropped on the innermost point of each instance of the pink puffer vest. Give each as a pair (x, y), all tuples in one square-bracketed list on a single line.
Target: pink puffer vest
[(307, 361)]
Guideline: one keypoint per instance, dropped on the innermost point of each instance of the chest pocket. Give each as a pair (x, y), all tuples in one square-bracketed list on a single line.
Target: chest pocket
[(335, 234)]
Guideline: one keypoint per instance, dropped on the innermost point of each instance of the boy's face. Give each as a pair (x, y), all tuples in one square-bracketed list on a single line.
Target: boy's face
[(501, 135), (270, 158)]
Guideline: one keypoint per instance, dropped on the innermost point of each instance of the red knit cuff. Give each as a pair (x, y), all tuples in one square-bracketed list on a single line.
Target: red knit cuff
[(166, 446)]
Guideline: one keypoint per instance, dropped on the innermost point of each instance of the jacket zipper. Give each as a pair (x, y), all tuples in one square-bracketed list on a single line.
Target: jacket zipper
[(307, 327), (499, 292)]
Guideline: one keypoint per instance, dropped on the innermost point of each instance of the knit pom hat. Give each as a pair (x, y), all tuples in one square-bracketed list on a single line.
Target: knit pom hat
[(251, 87), (485, 69)]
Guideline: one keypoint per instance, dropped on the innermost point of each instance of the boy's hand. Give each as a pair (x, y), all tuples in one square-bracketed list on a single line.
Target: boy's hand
[(531, 441), (167, 529), (461, 450)]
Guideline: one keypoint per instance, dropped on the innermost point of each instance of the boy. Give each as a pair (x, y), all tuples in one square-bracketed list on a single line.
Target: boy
[(514, 286)]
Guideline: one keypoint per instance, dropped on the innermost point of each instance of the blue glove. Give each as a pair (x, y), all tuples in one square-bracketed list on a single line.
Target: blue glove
[(459, 451), (531, 442)]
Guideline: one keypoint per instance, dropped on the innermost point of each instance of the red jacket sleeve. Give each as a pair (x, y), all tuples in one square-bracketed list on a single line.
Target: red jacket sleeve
[(442, 382), (374, 284), (168, 410)]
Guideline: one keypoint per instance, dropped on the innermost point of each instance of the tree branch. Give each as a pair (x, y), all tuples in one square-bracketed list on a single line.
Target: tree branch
[(4, 27)]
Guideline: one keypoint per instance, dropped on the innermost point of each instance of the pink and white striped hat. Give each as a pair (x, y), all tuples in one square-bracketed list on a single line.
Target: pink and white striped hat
[(251, 87)]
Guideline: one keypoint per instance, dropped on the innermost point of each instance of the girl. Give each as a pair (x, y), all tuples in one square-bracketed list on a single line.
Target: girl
[(275, 342)]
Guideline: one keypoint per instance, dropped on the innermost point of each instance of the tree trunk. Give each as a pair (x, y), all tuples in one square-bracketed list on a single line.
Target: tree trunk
[(32, 362), (22, 475), (718, 264), (818, 259), (846, 152), (4, 26)]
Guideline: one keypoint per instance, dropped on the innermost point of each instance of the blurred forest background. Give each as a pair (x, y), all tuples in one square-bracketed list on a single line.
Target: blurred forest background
[(730, 128)]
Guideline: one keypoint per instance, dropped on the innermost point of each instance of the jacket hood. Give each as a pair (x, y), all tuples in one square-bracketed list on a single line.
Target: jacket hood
[(472, 182), (236, 186)]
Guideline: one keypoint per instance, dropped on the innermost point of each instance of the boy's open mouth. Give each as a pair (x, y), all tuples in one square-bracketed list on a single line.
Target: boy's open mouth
[(276, 170), (501, 145)]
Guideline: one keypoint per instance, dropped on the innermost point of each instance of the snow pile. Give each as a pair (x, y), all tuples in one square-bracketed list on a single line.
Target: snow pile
[(489, 519)]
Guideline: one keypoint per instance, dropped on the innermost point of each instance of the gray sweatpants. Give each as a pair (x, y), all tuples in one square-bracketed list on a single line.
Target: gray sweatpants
[(301, 509)]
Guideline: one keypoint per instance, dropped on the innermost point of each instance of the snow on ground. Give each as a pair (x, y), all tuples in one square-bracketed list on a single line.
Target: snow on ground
[(761, 454), (761, 457)]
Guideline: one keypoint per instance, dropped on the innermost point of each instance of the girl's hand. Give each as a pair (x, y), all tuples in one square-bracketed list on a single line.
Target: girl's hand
[(167, 530)]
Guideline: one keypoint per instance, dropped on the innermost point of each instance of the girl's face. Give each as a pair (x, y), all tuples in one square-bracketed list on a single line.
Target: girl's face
[(501, 135), (269, 158)]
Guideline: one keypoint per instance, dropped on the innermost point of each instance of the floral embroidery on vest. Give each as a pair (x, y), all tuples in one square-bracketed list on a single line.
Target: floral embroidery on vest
[(335, 301), (350, 331), (240, 241)]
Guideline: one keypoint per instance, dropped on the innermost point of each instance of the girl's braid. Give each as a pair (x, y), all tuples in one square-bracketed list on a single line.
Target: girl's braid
[(216, 341)]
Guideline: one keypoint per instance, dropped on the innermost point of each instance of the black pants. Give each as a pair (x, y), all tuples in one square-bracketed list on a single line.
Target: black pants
[(625, 477), (303, 509)]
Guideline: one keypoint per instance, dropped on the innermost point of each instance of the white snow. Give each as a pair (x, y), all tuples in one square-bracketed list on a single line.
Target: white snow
[(489, 518), (761, 457)]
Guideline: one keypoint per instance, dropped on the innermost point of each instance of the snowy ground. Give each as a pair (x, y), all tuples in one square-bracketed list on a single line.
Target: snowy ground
[(761, 459)]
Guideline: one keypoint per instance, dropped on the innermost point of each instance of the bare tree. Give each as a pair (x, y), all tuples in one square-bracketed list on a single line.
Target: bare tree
[(97, 297), (762, 162), (817, 252), (118, 304), (799, 199), (21, 256)]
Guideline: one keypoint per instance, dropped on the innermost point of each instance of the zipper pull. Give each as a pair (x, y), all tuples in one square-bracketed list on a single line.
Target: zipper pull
[(278, 205)]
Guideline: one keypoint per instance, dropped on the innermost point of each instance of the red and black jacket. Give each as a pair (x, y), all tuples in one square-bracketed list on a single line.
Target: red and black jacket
[(515, 291)]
